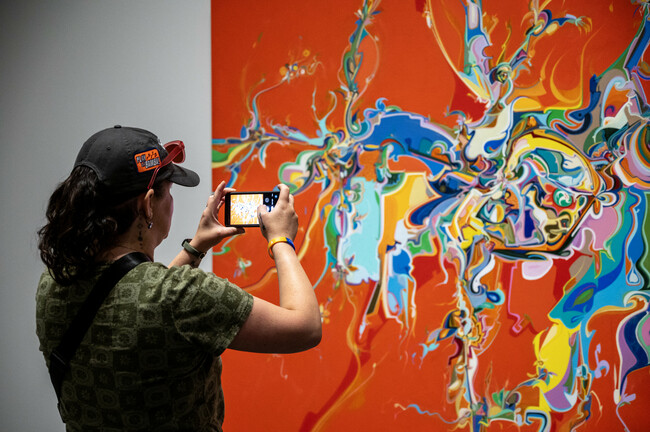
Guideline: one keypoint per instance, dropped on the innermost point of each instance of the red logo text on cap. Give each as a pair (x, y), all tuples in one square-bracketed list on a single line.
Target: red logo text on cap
[(148, 160)]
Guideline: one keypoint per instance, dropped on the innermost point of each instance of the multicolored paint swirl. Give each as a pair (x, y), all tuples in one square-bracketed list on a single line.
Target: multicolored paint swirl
[(423, 235)]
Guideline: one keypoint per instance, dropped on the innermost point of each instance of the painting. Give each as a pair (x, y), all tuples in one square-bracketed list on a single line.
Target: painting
[(472, 182)]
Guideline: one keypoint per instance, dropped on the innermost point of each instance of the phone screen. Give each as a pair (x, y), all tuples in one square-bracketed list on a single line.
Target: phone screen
[(241, 207)]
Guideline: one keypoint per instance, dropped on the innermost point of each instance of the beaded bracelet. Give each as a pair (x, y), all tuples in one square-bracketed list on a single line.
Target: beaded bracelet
[(279, 240)]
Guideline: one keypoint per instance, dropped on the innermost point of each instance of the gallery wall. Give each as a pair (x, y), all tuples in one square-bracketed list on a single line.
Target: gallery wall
[(68, 69)]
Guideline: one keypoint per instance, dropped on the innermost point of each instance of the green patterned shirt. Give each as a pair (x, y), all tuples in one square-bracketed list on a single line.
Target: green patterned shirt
[(150, 360)]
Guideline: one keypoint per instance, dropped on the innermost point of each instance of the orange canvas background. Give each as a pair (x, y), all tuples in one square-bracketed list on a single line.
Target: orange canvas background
[(351, 382)]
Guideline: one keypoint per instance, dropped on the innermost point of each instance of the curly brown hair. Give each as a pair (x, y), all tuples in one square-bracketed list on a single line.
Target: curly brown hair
[(81, 224)]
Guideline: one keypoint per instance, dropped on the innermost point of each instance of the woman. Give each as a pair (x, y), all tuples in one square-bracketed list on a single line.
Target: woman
[(150, 359)]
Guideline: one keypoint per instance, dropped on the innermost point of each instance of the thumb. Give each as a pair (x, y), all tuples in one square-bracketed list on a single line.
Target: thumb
[(230, 231), (261, 213)]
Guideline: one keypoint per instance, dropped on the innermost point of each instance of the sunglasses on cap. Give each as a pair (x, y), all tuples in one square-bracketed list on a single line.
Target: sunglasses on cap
[(175, 154)]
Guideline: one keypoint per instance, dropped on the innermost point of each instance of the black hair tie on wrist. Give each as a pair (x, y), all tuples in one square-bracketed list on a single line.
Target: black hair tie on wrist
[(191, 249)]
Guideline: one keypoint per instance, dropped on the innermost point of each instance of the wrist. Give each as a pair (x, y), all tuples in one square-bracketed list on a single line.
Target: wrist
[(279, 240), (201, 243), (193, 249)]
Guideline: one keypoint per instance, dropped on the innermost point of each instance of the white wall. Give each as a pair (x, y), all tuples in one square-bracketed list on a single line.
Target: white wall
[(69, 68)]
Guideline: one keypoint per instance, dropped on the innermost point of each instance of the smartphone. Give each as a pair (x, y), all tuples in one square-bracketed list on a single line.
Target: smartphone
[(241, 207)]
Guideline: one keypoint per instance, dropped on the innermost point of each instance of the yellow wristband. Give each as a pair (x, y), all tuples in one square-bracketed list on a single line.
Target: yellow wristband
[(279, 240)]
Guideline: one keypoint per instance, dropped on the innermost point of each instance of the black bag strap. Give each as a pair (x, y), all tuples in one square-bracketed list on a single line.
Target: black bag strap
[(60, 357)]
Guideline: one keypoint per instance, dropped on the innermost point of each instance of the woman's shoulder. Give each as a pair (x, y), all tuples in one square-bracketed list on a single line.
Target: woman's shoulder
[(164, 281), (155, 272), (49, 287)]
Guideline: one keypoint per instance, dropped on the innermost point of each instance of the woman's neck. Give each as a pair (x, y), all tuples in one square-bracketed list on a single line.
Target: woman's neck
[(138, 238), (119, 250)]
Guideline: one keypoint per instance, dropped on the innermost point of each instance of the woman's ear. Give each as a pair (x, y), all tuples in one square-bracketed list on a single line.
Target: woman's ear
[(147, 205)]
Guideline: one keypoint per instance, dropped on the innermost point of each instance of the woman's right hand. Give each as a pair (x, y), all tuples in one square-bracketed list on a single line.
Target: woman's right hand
[(282, 220), (295, 324)]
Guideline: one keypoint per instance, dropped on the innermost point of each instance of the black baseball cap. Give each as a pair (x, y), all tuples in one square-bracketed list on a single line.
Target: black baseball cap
[(129, 161)]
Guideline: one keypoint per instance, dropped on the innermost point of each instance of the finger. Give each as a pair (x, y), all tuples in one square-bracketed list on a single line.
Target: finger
[(216, 199), (219, 191), (211, 198), (284, 191)]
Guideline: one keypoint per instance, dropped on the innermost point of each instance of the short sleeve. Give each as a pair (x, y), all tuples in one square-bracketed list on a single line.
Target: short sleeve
[(207, 310)]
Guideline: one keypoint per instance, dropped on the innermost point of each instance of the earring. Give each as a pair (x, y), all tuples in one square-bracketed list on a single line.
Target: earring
[(150, 225)]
